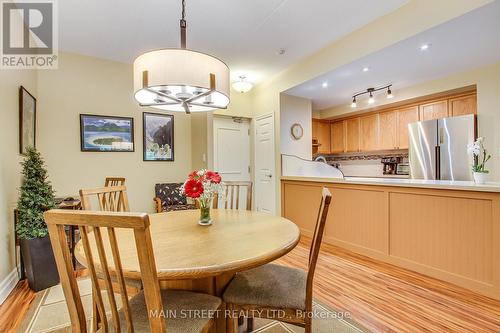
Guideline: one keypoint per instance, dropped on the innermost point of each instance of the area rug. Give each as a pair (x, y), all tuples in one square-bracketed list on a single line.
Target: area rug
[(49, 313)]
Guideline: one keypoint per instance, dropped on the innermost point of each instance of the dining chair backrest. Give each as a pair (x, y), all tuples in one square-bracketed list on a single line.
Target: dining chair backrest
[(326, 198), (110, 198), (232, 191), (101, 226), (114, 181)]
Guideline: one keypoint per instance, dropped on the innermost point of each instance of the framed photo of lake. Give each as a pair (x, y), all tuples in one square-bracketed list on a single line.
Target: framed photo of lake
[(106, 133), (27, 120), (158, 137)]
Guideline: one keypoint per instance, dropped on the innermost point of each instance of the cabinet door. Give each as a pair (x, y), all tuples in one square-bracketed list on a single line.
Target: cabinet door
[(464, 105), (435, 110), (337, 139), (315, 128), (352, 135), (405, 117), (324, 137), (369, 127), (388, 130)]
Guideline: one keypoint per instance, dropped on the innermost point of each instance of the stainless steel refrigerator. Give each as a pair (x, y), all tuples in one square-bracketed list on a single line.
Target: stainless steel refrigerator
[(438, 148)]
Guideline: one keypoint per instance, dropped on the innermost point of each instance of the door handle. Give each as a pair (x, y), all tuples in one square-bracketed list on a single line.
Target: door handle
[(269, 175)]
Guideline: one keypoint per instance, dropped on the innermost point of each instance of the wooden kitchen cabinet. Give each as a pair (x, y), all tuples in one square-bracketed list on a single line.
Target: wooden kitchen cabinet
[(463, 105), (337, 137), (323, 137), (369, 132), (435, 110), (405, 116), (315, 129), (388, 130), (352, 135)]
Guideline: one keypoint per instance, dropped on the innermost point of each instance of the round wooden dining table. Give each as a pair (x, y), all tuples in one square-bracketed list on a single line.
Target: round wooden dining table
[(205, 258)]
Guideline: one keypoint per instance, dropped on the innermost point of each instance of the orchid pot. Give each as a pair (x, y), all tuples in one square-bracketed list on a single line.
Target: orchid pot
[(480, 156)]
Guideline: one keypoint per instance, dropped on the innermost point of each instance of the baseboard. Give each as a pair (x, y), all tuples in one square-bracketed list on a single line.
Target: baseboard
[(8, 284)]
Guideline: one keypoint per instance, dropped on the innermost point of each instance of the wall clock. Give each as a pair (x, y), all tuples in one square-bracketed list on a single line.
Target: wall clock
[(297, 131)]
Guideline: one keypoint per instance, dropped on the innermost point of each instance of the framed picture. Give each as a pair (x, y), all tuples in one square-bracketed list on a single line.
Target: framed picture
[(27, 120), (158, 137), (106, 133)]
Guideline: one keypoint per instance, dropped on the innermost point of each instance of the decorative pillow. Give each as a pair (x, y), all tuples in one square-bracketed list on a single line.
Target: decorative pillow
[(169, 194)]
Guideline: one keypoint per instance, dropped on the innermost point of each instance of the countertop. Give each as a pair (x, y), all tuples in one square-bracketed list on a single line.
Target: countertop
[(420, 183)]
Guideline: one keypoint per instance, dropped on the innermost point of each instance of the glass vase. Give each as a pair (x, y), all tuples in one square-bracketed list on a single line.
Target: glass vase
[(205, 216)]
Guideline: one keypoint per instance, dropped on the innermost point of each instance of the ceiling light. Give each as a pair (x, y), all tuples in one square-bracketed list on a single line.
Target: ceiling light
[(424, 47), (324, 84), (181, 79), (242, 85), (370, 91), (389, 93), (366, 69), (371, 100)]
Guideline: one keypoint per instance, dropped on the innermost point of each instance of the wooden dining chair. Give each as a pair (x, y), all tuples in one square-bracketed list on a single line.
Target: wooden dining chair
[(274, 287), (114, 181), (109, 198), (232, 191), (149, 311)]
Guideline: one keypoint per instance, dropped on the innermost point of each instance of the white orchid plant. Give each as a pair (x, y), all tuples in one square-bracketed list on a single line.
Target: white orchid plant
[(480, 155)]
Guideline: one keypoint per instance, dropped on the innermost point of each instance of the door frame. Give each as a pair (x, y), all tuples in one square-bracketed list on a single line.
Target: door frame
[(275, 175)]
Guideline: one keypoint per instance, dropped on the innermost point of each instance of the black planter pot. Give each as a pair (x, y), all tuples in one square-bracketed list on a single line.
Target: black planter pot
[(39, 263)]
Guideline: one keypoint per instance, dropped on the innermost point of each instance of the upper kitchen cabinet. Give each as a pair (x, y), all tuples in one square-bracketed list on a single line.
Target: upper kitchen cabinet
[(352, 135), (434, 110), (405, 116), (460, 106), (337, 138), (369, 132), (388, 130), (321, 133)]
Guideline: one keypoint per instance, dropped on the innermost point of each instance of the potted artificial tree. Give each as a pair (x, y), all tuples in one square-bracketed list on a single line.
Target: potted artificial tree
[(35, 198)]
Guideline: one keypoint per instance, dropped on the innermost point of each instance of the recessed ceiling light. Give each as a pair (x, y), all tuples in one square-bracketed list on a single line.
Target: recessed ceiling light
[(366, 69), (424, 47), (324, 84)]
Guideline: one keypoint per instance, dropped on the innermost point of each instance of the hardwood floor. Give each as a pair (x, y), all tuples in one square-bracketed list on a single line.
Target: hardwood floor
[(381, 297)]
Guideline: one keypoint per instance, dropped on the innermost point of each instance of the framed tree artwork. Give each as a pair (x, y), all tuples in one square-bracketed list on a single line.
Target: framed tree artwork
[(106, 133), (27, 120), (158, 137)]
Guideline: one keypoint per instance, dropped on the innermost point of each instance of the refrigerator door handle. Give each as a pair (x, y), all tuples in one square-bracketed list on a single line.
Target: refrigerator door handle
[(438, 162)]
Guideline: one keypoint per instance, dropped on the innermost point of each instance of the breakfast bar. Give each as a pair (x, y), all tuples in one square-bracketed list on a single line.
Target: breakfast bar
[(449, 230)]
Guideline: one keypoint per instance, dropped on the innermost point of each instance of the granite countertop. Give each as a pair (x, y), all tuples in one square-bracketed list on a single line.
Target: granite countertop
[(420, 183)]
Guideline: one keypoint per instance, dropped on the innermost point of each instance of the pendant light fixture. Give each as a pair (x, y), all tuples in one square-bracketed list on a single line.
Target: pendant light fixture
[(178, 79), (242, 85)]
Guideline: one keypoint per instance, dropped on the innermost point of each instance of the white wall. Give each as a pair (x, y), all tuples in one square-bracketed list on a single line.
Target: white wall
[(296, 110), (10, 178), (97, 86)]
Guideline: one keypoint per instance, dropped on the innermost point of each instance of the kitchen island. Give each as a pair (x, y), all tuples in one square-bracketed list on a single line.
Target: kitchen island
[(449, 230)]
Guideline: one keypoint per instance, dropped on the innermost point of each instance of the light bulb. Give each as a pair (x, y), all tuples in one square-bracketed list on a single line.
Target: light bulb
[(389, 94), (371, 100), (353, 104)]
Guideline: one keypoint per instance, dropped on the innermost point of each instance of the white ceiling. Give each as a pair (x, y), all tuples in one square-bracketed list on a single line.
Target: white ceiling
[(469, 41), (246, 34)]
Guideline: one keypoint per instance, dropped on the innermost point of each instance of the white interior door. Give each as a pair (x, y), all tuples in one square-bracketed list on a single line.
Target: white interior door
[(265, 175), (232, 151)]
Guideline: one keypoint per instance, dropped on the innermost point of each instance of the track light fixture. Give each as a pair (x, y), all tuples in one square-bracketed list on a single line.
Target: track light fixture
[(370, 92)]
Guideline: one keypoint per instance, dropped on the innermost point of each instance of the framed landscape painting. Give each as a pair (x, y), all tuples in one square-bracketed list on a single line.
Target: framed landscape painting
[(158, 137), (27, 120), (106, 133)]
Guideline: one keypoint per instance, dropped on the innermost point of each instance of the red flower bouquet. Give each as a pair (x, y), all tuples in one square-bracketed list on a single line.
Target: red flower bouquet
[(203, 185)]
